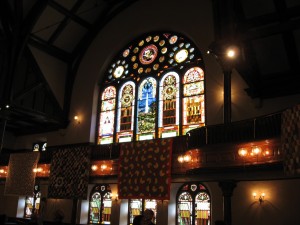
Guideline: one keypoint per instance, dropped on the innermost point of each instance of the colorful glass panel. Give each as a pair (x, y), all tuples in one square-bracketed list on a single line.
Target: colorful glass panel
[(193, 205), (107, 115), (100, 205), (138, 206), (169, 105), (126, 112), (146, 109), (184, 209)]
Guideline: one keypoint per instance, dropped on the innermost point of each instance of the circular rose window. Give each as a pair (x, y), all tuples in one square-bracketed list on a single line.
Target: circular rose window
[(148, 54)]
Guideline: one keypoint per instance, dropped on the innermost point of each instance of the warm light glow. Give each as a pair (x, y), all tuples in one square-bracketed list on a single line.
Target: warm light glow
[(242, 152), (254, 195), (180, 159), (231, 53), (94, 167), (2, 171), (187, 158), (103, 167), (77, 119), (256, 150), (37, 170)]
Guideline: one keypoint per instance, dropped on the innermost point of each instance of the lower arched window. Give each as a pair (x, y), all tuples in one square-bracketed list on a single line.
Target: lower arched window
[(100, 205), (193, 205), (138, 206), (32, 203)]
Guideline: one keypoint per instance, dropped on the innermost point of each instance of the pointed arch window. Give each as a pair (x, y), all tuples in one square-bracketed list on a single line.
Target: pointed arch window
[(164, 72), (193, 205), (100, 205)]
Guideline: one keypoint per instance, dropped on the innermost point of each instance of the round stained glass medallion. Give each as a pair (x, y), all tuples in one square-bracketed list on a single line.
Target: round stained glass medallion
[(118, 71), (126, 100), (181, 55), (148, 54), (126, 53), (173, 39)]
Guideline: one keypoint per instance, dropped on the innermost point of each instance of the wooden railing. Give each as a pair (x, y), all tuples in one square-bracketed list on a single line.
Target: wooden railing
[(246, 130)]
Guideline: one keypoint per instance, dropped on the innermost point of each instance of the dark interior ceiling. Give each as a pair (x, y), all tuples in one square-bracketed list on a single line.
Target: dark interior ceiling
[(268, 33)]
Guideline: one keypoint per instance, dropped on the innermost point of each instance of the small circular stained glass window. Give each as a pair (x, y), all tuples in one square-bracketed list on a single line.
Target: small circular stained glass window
[(148, 54), (181, 55), (118, 71)]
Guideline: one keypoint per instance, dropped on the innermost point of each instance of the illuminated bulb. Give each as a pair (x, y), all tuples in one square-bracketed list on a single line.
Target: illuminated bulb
[(242, 152), (187, 158), (256, 150), (1, 170), (180, 159), (103, 166), (231, 53), (254, 195), (94, 167)]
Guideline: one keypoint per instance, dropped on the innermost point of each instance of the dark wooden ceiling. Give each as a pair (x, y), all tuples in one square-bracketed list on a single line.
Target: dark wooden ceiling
[(268, 33)]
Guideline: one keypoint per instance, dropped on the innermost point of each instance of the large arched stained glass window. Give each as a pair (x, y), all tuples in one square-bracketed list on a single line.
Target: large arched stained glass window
[(100, 205), (146, 118), (158, 83), (107, 115), (125, 119), (168, 119), (193, 205)]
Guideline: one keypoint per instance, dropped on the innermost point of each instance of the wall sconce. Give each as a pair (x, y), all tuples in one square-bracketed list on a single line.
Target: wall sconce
[(116, 197), (77, 119), (184, 158), (37, 170), (256, 150), (261, 197)]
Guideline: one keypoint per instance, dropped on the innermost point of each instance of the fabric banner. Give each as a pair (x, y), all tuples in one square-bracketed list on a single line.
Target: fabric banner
[(20, 177), (290, 140), (145, 169), (69, 173)]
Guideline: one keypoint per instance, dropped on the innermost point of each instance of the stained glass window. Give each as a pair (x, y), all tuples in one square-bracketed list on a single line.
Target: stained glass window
[(193, 205), (169, 105), (138, 206), (107, 115), (32, 203), (100, 205), (146, 113), (157, 80), (125, 119)]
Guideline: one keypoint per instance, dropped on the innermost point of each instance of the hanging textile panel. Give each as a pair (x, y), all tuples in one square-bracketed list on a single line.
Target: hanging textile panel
[(290, 140), (69, 173), (145, 169), (20, 177)]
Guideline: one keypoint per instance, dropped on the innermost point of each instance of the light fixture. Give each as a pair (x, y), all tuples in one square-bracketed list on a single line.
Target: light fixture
[(256, 150), (117, 197), (187, 158), (242, 152), (37, 170), (103, 167), (180, 159), (261, 197), (94, 167), (77, 119)]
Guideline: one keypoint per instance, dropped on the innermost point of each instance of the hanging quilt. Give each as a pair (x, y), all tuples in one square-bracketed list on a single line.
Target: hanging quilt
[(69, 173), (20, 177), (145, 169)]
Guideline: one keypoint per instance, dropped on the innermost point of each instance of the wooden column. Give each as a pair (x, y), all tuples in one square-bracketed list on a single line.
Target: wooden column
[(227, 190)]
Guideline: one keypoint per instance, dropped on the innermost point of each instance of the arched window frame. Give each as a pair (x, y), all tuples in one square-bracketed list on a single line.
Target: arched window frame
[(100, 211), (32, 203), (199, 201), (154, 55), (140, 206)]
